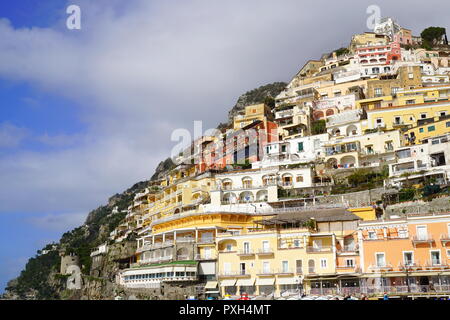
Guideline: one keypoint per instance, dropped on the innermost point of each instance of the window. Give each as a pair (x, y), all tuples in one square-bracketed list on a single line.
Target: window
[(285, 266), (323, 263), (431, 128), (411, 75), (265, 246), (298, 265), (422, 233), (229, 247), (297, 243), (266, 267), (299, 178), (242, 268), (448, 253), (408, 258), (435, 258), (421, 130), (394, 90), (246, 247), (349, 263), (412, 101), (372, 235), (378, 92), (380, 259), (423, 116), (447, 124), (300, 146)]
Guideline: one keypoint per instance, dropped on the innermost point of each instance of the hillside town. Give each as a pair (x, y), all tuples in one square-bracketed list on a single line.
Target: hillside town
[(337, 186)]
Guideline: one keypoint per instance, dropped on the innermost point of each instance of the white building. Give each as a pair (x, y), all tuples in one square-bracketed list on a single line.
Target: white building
[(431, 159)]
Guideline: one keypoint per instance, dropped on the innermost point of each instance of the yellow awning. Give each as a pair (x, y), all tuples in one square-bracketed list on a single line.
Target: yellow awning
[(245, 282), (211, 285), (228, 283)]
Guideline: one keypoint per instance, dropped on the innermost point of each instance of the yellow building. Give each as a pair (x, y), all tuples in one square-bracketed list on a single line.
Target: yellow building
[(433, 127), (368, 38), (252, 113), (396, 117), (289, 252), (369, 150)]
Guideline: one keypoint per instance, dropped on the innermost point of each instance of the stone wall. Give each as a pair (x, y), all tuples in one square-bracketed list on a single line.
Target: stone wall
[(419, 207), (355, 199)]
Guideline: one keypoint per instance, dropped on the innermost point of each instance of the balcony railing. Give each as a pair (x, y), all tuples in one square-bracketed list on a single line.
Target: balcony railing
[(311, 269), (422, 238), (185, 240), (445, 238), (380, 267), (409, 266), (206, 241), (241, 273), (349, 248), (205, 257), (285, 271), (265, 251), (312, 249), (266, 272), (436, 264), (245, 253)]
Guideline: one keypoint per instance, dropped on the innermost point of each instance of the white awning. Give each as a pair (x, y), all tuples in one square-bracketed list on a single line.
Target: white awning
[(245, 282), (227, 283), (288, 280), (265, 282), (211, 285)]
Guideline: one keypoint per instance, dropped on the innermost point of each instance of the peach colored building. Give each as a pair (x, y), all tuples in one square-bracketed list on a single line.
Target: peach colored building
[(405, 255)]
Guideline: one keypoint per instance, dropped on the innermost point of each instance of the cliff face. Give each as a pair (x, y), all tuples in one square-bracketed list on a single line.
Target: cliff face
[(255, 96)]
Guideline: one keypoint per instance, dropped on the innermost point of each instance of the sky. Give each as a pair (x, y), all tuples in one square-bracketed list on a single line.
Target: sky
[(85, 114)]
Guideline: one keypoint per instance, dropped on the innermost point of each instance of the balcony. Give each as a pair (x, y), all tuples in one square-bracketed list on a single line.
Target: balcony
[(183, 257), (380, 267), (348, 269), (285, 272), (436, 264), (185, 240), (206, 241), (445, 238), (234, 274), (397, 124), (312, 249), (266, 272), (410, 266), (428, 238), (265, 252), (203, 257), (246, 253), (348, 249)]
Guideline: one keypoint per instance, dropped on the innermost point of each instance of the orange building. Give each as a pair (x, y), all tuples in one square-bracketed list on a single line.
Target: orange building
[(405, 255)]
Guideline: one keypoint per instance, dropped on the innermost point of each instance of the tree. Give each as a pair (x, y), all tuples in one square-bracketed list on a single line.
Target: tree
[(318, 127), (341, 51), (432, 35)]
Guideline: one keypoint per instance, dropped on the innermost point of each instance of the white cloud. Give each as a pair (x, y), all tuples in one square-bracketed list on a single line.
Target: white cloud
[(11, 135), (139, 69), (58, 222)]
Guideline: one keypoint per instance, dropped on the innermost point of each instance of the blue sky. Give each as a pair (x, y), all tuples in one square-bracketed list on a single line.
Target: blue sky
[(86, 113)]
